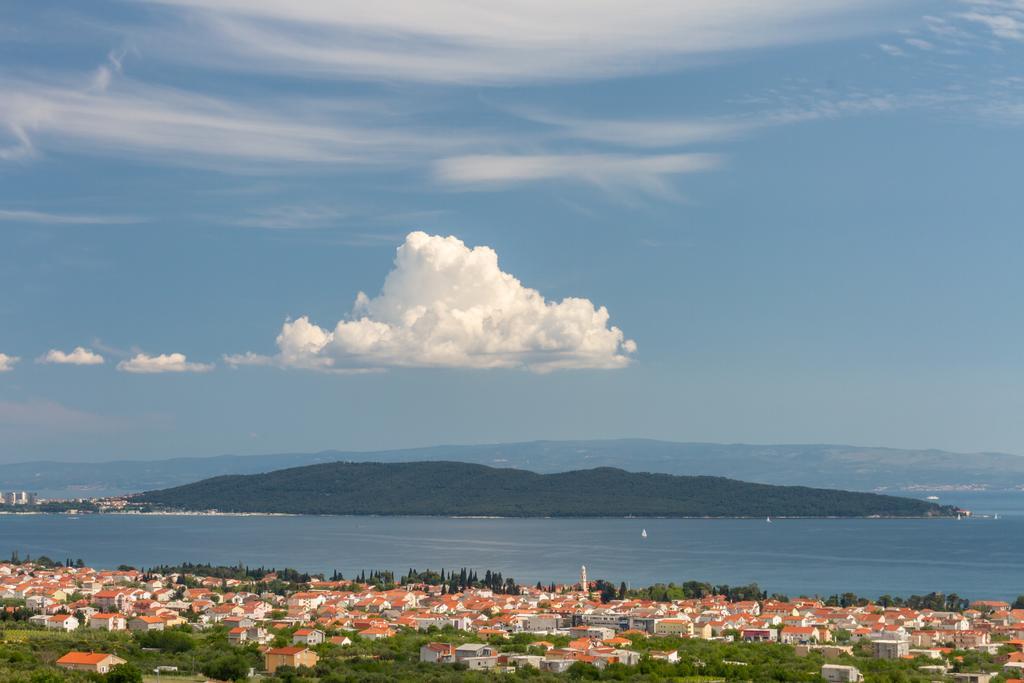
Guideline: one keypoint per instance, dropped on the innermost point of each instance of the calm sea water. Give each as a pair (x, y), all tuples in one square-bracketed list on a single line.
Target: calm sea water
[(977, 558)]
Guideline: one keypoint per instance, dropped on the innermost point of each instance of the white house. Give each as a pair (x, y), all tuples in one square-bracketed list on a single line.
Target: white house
[(62, 622), (837, 673)]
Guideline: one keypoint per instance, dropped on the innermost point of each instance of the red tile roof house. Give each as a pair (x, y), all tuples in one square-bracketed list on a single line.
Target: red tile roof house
[(244, 622), (107, 621), (308, 636), (219, 613), (758, 635), (801, 634), (294, 656), (118, 600), (306, 600), (96, 662), (251, 634), (376, 633), (146, 624), (437, 653)]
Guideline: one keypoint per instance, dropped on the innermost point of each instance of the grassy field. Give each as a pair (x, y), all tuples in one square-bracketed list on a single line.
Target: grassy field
[(12, 635)]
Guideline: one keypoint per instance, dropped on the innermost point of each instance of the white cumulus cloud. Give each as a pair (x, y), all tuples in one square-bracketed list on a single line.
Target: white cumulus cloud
[(144, 364), (79, 356), (7, 362), (448, 305)]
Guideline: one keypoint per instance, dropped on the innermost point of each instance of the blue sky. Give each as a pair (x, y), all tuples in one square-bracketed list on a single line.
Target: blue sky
[(703, 221)]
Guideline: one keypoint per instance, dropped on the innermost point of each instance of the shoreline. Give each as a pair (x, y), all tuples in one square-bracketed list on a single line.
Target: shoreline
[(218, 513)]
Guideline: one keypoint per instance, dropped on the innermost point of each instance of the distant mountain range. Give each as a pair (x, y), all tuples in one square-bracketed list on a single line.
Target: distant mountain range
[(828, 466), (459, 488)]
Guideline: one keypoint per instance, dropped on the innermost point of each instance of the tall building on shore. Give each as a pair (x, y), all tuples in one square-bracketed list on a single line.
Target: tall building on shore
[(18, 498), (583, 578)]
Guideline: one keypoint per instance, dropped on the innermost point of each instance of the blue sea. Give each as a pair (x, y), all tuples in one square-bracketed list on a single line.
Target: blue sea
[(977, 558)]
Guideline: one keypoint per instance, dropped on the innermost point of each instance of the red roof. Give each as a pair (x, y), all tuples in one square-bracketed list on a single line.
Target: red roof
[(90, 658)]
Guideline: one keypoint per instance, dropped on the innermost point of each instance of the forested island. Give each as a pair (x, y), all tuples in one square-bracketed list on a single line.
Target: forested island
[(463, 489)]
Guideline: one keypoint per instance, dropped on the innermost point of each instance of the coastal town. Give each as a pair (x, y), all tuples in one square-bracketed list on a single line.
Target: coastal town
[(278, 624)]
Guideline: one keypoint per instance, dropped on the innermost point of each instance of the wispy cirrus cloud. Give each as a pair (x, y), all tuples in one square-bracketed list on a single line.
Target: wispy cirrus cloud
[(48, 218), (128, 117), (644, 132), (892, 50), (110, 113), (1004, 18), (961, 44), (679, 132), (460, 41), (291, 217), (651, 171), (648, 173)]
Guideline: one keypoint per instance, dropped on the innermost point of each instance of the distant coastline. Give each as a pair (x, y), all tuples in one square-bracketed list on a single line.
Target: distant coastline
[(219, 513), (857, 468)]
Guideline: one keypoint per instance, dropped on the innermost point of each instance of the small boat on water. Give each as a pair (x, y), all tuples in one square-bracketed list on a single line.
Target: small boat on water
[(768, 519), (643, 534), (995, 516)]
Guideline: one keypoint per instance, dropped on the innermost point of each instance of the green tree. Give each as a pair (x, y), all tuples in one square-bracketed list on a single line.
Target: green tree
[(167, 641), (231, 667), (124, 673)]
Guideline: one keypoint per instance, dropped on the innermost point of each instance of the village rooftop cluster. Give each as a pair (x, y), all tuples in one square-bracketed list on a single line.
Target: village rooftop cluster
[(322, 613)]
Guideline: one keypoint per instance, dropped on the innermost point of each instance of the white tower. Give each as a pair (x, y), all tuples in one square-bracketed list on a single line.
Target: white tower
[(583, 578)]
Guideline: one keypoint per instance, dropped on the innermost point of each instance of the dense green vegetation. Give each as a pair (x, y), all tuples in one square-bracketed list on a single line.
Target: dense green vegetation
[(453, 581), (240, 572), (26, 656), (940, 602), (51, 506), (699, 589), (43, 561), (451, 488)]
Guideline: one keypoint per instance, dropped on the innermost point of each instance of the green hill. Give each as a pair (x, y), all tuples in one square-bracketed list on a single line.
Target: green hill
[(454, 488), (854, 468)]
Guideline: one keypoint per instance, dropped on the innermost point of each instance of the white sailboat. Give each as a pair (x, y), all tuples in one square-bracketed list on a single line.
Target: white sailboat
[(996, 516), (958, 517), (643, 534), (768, 519)]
